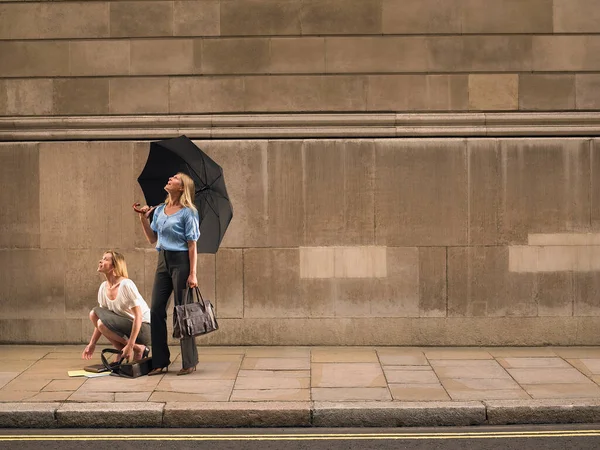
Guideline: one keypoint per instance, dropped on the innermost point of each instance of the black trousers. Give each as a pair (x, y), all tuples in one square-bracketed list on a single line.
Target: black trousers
[(172, 272)]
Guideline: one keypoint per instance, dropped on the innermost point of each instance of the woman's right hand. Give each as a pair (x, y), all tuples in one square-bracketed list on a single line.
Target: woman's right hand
[(143, 210), (88, 351)]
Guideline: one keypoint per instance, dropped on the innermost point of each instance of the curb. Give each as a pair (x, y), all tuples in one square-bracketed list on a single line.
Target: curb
[(296, 414)]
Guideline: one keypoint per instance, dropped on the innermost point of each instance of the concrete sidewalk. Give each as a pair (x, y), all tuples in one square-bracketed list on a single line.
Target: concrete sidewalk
[(308, 386)]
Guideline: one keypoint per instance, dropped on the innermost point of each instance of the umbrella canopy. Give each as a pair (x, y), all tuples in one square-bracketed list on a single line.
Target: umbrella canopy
[(168, 157)]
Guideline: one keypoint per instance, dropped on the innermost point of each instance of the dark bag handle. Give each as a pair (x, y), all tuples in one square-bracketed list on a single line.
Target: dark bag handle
[(195, 299), (107, 365)]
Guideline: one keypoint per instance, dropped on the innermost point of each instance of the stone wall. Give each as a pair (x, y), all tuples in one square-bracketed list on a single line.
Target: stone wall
[(403, 172), (386, 241), (225, 56)]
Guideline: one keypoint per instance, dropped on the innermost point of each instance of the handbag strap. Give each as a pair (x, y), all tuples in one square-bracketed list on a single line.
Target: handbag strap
[(190, 293), (105, 362)]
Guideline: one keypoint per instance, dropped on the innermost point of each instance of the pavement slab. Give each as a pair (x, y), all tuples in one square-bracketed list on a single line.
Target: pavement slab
[(309, 386)]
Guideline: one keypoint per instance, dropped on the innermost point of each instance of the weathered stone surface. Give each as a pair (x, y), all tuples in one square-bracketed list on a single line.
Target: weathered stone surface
[(260, 17), (546, 92), (162, 57), (388, 414), (542, 411), (53, 20), (508, 16), (99, 57), (28, 415), (81, 96), (566, 53), (235, 55), (139, 95), (417, 92), (297, 55), (196, 18), (37, 58), (20, 215), (230, 283), (237, 414), (421, 16), (341, 17), (433, 290), (587, 95), (110, 415), (198, 95), (576, 16), (141, 18), (493, 92), (414, 220)]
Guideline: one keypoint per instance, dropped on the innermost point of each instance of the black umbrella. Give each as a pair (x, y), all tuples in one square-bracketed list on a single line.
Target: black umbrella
[(168, 157)]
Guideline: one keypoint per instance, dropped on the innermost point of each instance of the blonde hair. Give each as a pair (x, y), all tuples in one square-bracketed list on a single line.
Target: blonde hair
[(119, 264), (189, 192)]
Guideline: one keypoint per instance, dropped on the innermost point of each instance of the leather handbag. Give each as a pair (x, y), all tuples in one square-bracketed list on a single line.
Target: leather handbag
[(125, 368), (195, 316)]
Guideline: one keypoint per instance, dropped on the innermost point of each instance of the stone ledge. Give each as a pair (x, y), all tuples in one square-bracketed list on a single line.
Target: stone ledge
[(28, 415), (507, 412), (237, 414), (110, 415), (396, 414), (256, 126)]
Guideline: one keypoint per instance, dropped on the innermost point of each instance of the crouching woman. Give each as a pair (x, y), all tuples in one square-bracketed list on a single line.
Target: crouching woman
[(122, 315)]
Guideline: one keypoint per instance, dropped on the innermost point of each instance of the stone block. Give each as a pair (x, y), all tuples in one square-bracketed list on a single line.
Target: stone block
[(235, 55), (273, 288), (297, 55), (421, 17), (341, 17), (237, 414), (81, 96), (260, 17), (28, 96), (507, 16), (576, 16), (230, 283), (566, 53), (432, 276), (501, 53), (141, 18), (28, 415), (393, 414), (317, 262), (206, 273), (595, 183), (34, 58), (41, 331), (506, 412), (196, 18), (417, 92), (493, 92), (555, 294), (20, 198), (409, 202), (587, 92), (109, 415), (586, 294), (200, 95), (162, 56), (99, 57), (338, 178), (376, 54), (244, 164), (304, 93), (53, 20), (100, 214), (360, 262), (285, 202), (3, 97), (479, 284), (546, 92), (137, 95), (34, 284)]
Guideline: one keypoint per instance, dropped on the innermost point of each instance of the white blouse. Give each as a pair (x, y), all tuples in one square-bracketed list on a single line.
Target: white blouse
[(128, 296)]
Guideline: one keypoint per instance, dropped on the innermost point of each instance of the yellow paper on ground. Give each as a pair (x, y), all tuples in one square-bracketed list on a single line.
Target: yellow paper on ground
[(83, 373)]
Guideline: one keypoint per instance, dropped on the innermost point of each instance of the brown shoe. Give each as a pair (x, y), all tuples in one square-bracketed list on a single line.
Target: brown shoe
[(187, 371), (158, 371)]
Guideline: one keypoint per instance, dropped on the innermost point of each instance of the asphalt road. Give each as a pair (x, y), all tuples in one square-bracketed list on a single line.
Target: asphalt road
[(475, 438)]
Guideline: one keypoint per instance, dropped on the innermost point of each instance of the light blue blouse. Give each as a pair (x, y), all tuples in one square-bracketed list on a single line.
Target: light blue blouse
[(176, 230)]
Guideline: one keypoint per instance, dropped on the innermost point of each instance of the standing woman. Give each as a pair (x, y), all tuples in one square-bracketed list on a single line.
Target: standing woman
[(174, 229)]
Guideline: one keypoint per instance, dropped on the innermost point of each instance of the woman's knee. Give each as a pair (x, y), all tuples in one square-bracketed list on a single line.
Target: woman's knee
[(94, 316)]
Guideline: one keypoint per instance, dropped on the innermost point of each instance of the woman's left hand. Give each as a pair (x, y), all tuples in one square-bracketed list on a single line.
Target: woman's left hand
[(127, 352), (192, 281)]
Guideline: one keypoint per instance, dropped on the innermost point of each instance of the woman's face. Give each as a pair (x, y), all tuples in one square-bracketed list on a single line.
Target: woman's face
[(174, 184), (105, 265)]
